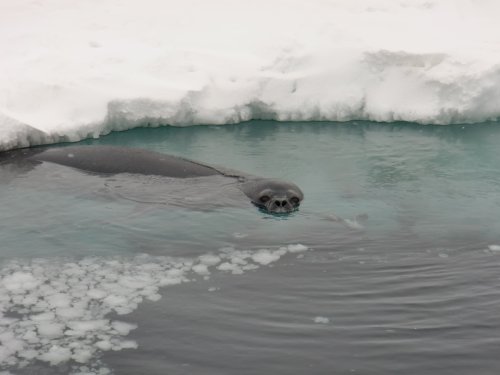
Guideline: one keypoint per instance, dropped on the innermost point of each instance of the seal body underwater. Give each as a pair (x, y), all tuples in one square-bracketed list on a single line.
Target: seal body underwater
[(268, 194)]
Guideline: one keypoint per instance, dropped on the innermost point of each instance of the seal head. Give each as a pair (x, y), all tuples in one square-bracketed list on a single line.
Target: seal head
[(273, 196)]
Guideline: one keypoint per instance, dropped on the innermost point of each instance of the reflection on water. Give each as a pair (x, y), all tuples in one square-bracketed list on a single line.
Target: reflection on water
[(415, 291)]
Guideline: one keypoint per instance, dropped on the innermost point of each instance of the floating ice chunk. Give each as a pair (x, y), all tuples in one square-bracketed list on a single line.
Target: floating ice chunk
[(266, 257), (70, 312), (55, 355), (104, 345), (123, 328), (20, 282), (58, 300), (209, 260), (97, 293), (295, 248), (352, 224), (27, 354), (249, 267), (167, 281), (125, 344), (201, 269), (114, 300), (228, 249), (10, 343), (30, 300), (321, 320), (63, 305), (7, 321), (88, 325), (30, 337), (494, 247), (136, 282), (231, 267), (153, 297), (5, 353), (238, 259), (50, 330), (43, 317), (82, 355)]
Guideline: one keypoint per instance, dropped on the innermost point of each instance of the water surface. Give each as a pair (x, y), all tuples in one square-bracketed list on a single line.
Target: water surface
[(416, 290)]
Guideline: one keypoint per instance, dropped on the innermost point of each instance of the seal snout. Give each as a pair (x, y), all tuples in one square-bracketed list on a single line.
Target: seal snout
[(280, 205)]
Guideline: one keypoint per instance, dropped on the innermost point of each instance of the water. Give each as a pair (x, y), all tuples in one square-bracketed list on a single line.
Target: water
[(415, 291)]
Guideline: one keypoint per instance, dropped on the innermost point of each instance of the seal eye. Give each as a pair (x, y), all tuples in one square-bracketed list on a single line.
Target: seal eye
[(264, 199), (295, 201)]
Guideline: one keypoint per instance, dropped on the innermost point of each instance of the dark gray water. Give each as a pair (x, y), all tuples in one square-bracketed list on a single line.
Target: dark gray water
[(416, 290)]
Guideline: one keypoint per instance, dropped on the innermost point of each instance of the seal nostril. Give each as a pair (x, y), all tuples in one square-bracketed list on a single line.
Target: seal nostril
[(284, 203), (277, 203)]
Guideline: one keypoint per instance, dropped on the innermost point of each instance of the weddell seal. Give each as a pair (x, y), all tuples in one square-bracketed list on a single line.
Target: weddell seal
[(268, 194)]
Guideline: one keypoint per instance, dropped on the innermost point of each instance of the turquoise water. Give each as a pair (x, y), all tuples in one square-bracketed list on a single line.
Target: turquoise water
[(414, 290), (439, 181)]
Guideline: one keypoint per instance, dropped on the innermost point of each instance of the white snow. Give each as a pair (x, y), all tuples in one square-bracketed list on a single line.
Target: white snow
[(61, 306), (71, 70)]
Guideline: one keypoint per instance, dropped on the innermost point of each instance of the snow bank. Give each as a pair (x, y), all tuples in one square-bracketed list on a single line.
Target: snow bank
[(55, 311), (73, 69)]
